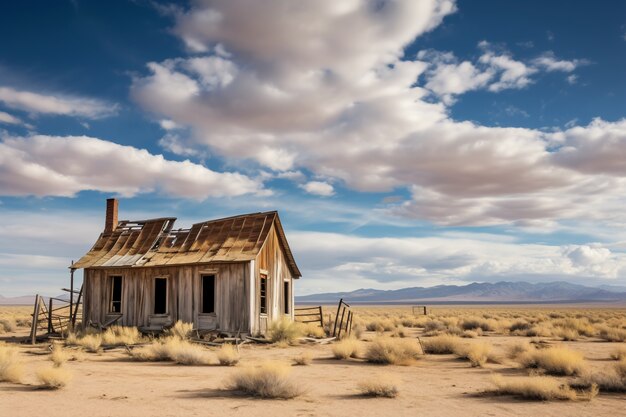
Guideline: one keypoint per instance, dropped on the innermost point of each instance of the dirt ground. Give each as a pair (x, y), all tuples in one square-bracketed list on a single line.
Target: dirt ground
[(109, 384)]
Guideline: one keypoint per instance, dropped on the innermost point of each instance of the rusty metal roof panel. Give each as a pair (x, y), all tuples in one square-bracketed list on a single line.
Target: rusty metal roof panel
[(154, 243)]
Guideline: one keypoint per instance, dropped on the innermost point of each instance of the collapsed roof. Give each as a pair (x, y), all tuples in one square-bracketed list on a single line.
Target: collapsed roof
[(154, 242)]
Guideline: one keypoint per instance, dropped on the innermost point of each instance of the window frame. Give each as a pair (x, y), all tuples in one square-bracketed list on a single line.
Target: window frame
[(112, 302), (202, 276), (167, 296), (287, 298), (263, 289)]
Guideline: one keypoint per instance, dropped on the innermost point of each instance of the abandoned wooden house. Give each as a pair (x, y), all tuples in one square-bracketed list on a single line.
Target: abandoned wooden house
[(234, 274)]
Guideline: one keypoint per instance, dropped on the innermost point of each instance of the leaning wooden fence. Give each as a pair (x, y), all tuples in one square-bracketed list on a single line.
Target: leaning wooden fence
[(58, 316), (309, 315), (343, 319)]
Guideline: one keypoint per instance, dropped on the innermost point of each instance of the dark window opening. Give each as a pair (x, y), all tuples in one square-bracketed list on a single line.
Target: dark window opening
[(116, 294), (208, 293), (160, 295), (286, 297), (263, 292)]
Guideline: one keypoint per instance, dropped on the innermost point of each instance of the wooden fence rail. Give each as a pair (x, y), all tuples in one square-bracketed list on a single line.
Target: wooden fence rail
[(309, 315), (343, 321)]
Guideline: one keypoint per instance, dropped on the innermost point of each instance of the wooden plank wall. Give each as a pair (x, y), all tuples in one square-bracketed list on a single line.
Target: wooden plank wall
[(184, 294), (272, 259)]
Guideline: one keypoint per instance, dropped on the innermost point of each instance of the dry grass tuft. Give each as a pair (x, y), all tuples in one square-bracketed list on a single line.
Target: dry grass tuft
[(228, 355), (555, 361), (154, 352), (185, 353), (312, 330), (270, 380), (477, 353), (442, 344), (59, 356), (381, 386), (285, 330), (53, 378), (305, 358), (90, 342), (540, 388), (11, 369), (619, 353), (119, 335), (389, 351), (180, 330), (346, 348), (612, 380), (517, 349), (7, 324), (174, 349), (613, 334)]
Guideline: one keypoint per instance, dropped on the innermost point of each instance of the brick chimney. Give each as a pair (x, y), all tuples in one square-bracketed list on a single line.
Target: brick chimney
[(110, 222)]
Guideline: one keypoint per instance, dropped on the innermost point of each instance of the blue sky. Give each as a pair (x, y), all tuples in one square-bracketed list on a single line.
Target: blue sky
[(404, 143)]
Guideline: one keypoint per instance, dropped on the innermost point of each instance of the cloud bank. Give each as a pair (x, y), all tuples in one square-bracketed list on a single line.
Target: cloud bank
[(42, 165)]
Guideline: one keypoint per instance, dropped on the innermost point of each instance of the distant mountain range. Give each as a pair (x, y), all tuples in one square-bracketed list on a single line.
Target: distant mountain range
[(27, 299), (499, 292)]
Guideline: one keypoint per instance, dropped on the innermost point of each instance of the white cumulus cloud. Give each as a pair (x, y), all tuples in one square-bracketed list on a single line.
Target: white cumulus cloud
[(56, 104), (319, 188), (63, 166)]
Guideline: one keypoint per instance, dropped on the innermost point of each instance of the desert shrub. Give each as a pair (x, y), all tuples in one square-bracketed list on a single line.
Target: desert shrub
[(172, 349), (388, 351), (71, 339), (568, 334), (399, 331), (7, 324), (619, 353), (471, 334), (90, 342), (53, 378), (441, 344), (154, 352), (540, 388), (312, 330), (476, 353), (59, 356), (612, 380), (381, 386), (228, 355), (23, 321), (388, 325), (185, 353), (284, 330), (120, 335), (518, 348), (357, 331), (477, 323), (434, 325), (305, 358), (346, 348), (11, 369), (270, 380), (538, 330), (579, 325), (612, 334), (180, 330), (554, 360), (375, 326)]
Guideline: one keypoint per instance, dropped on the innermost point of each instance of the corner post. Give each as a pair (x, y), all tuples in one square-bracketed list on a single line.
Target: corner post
[(72, 269)]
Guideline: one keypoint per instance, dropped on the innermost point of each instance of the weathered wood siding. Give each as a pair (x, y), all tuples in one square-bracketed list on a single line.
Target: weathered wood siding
[(184, 295), (271, 258)]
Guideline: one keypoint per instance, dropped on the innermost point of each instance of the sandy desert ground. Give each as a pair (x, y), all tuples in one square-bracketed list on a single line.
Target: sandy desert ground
[(111, 383)]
